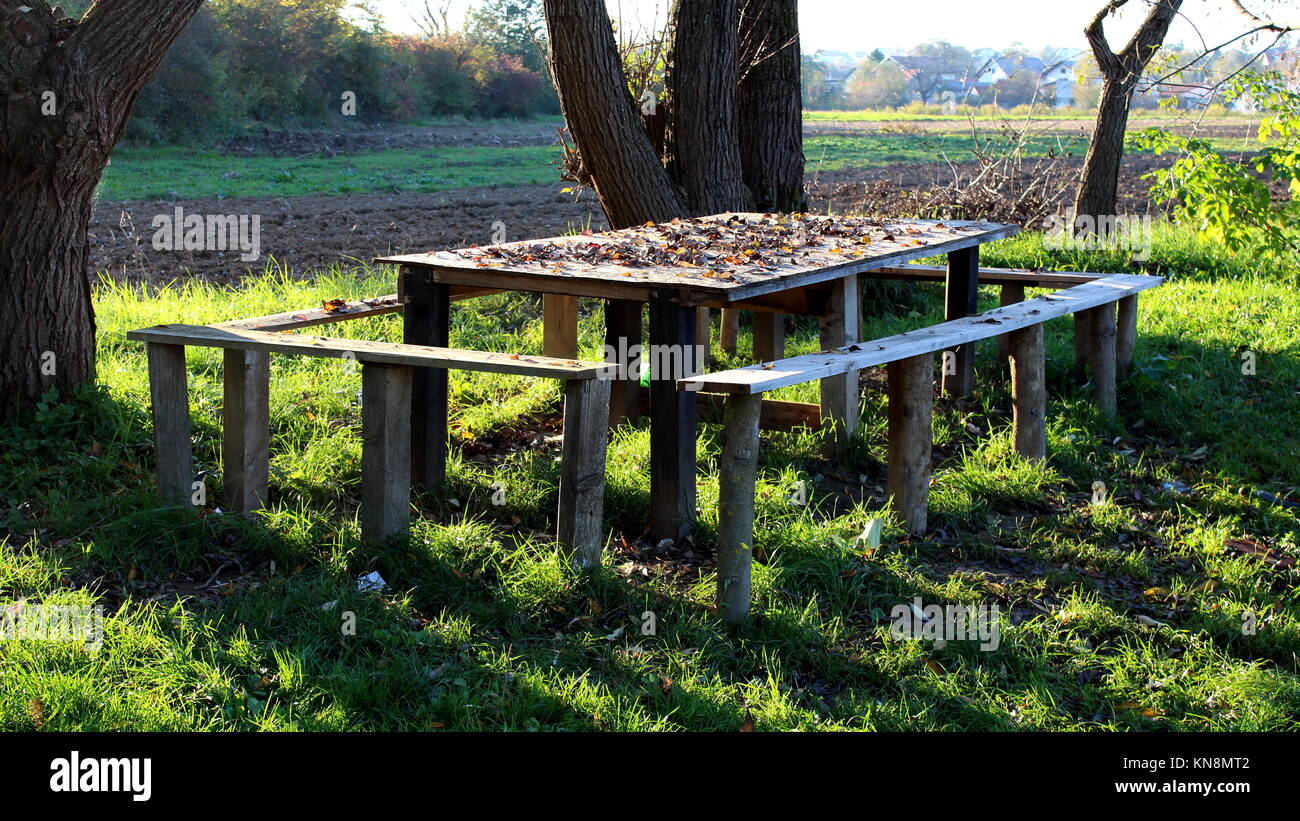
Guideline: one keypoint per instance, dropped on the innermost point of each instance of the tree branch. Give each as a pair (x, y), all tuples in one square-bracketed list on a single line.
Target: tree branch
[(1149, 36), (1107, 61), (1260, 21)]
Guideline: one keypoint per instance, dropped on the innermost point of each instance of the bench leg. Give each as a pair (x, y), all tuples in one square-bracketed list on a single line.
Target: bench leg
[(171, 422), (729, 330), (1012, 293), (385, 450), (1082, 345), (769, 336), (582, 469), (426, 320), (560, 326), (1101, 356), (622, 333), (736, 504), (1029, 392), (841, 325), (1126, 326), (911, 392), (246, 429), (961, 299)]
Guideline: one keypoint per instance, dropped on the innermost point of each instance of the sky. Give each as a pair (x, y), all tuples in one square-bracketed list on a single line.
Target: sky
[(863, 25)]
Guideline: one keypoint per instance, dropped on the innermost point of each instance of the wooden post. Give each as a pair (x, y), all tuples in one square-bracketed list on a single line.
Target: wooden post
[(672, 417), (841, 325), (1012, 292), (1082, 346), (1126, 327), (911, 392), (560, 326), (769, 336), (729, 330), (1029, 392), (171, 422), (622, 333), (582, 469), (246, 422), (961, 298), (385, 450), (1101, 356), (736, 504), (703, 335), (426, 320)]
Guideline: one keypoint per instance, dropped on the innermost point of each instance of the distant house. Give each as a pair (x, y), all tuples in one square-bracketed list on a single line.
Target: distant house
[(1055, 79), (932, 80)]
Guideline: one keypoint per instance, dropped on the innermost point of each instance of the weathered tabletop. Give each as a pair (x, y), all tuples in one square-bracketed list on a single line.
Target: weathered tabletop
[(801, 264)]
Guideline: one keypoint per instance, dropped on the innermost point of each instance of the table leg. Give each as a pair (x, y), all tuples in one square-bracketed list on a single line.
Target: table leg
[(672, 356), (961, 298), (426, 320), (560, 326), (769, 336), (841, 325), (622, 334)]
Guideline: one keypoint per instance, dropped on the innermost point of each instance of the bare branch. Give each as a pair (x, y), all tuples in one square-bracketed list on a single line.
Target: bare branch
[(1260, 21)]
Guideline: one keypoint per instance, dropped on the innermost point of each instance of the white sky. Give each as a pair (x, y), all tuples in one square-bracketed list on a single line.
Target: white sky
[(862, 25)]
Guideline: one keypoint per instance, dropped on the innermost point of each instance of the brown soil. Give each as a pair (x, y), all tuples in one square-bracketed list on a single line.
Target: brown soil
[(303, 233)]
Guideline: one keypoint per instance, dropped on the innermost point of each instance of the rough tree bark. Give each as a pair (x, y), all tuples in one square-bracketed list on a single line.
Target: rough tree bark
[(629, 178), (703, 146), (769, 109), (1120, 75), (66, 90)]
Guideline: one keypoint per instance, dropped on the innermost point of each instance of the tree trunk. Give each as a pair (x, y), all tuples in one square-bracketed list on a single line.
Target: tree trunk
[(629, 178), (703, 148), (1121, 72), (1099, 182), (66, 90), (770, 106), (48, 337)]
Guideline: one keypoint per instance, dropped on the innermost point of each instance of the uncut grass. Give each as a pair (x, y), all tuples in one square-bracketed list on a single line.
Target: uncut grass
[(486, 627)]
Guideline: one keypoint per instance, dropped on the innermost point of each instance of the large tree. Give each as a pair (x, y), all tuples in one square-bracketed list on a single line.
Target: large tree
[(734, 137), (1120, 72), (1122, 76), (769, 110), (67, 88)]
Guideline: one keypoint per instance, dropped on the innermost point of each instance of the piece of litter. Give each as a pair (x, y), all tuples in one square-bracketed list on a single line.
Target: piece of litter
[(869, 538), (329, 605), (372, 581)]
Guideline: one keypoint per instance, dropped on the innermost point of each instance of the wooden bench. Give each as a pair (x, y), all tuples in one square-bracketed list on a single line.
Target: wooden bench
[(910, 376), (386, 378)]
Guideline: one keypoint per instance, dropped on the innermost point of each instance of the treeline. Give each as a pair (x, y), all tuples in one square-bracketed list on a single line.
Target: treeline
[(322, 63)]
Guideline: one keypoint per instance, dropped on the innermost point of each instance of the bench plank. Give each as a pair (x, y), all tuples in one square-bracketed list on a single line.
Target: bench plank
[(364, 350), (989, 276), (800, 369)]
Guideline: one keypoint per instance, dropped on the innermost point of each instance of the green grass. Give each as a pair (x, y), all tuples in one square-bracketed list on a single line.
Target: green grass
[(171, 173), (989, 117), (220, 624)]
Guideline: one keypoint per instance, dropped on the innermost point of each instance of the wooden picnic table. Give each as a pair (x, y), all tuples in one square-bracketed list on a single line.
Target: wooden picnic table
[(770, 264)]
